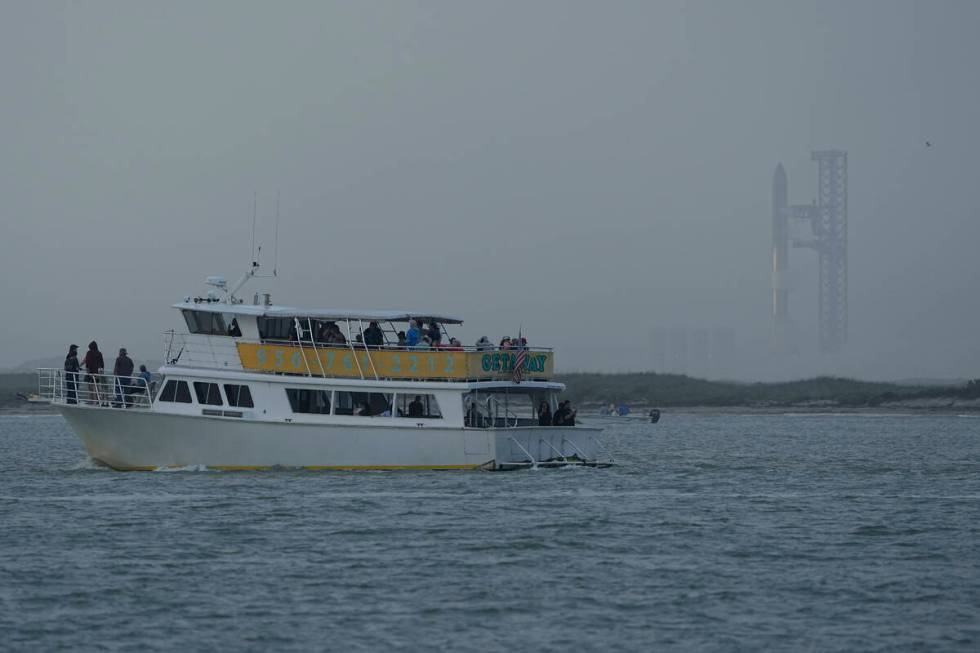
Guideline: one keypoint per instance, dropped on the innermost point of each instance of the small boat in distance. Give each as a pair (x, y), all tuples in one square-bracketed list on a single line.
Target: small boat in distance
[(257, 385)]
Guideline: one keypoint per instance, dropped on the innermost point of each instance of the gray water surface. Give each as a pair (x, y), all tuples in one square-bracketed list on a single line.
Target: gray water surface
[(715, 532)]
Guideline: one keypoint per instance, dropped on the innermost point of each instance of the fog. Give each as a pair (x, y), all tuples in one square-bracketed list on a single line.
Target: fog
[(585, 172)]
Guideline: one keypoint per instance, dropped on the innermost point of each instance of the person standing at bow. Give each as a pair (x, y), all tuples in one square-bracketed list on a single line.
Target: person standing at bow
[(122, 371), (71, 375), (94, 366)]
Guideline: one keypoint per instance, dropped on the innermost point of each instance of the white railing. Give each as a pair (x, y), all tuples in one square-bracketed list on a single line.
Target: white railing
[(104, 390)]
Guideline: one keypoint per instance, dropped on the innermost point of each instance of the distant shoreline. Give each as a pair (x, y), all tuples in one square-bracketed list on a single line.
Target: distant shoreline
[(642, 391)]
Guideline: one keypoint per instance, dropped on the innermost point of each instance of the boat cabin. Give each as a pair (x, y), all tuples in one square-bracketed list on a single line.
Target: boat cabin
[(330, 343)]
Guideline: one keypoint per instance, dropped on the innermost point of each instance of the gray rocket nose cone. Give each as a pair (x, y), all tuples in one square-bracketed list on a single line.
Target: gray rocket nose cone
[(779, 177)]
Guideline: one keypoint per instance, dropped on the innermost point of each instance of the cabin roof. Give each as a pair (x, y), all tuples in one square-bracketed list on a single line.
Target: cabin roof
[(315, 313)]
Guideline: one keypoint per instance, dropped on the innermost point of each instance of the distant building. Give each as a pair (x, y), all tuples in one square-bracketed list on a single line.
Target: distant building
[(697, 351)]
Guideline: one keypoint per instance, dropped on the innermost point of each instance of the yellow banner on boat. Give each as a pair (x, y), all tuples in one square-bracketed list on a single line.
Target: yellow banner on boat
[(422, 364)]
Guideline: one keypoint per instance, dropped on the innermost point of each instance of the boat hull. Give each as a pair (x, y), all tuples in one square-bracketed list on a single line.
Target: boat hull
[(148, 440)]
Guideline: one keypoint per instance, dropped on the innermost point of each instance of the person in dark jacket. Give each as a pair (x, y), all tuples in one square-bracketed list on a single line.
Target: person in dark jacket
[(373, 336), (71, 374), (569, 418), (94, 365), (558, 418), (122, 370), (544, 414), (415, 409), (434, 333)]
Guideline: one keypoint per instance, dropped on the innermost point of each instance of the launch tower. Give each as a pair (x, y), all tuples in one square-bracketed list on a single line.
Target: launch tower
[(827, 219)]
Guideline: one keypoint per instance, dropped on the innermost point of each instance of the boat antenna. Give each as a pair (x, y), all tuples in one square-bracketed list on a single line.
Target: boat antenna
[(275, 255), (254, 203)]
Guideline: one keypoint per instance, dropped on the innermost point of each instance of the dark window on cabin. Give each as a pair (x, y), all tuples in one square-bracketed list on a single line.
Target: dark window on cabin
[(309, 401), (176, 391), (205, 323), (365, 404), (275, 328), (425, 406), (239, 395), (207, 393)]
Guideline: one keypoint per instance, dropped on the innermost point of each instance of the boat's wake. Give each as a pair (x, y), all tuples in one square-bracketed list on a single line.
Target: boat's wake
[(88, 464), (184, 468)]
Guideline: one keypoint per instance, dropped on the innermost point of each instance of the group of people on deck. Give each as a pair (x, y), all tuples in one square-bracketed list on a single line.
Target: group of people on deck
[(421, 334), (564, 415), (101, 389)]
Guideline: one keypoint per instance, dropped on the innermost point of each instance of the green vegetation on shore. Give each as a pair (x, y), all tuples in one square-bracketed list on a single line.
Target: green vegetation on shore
[(652, 389)]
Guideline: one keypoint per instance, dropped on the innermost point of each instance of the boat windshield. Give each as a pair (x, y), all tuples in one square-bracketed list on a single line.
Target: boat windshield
[(506, 407)]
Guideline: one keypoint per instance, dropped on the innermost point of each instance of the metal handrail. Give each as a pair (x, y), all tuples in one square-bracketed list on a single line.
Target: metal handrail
[(93, 389), (389, 347), (201, 350), (507, 412)]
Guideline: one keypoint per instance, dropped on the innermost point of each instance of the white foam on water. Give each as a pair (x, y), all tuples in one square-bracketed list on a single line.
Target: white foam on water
[(86, 464), (185, 468)]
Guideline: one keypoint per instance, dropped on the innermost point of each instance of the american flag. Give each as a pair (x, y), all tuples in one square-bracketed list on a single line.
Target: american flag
[(519, 364)]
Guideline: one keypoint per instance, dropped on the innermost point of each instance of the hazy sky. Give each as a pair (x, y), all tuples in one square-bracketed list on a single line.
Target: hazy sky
[(588, 170)]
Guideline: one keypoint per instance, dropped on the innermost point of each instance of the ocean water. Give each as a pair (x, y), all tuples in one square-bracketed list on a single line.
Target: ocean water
[(714, 532)]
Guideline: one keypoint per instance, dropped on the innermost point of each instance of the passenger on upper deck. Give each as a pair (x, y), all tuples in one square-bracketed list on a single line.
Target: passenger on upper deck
[(373, 336), (414, 335), (323, 332), (334, 335), (505, 343), (454, 345), (484, 344), (401, 339), (434, 333), (423, 344)]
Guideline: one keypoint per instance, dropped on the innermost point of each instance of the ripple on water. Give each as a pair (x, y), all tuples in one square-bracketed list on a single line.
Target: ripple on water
[(762, 532)]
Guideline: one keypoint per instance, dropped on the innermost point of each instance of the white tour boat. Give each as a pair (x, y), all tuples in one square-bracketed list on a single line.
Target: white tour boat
[(256, 386)]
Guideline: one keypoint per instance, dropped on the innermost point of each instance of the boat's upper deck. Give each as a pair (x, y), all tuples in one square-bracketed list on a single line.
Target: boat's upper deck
[(416, 345)]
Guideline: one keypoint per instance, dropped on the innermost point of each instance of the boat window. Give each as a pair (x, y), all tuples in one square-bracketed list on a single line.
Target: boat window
[(239, 395), (421, 405), (176, 391), (366, 404), (308, 401), (205, 322), (207, 393), (503, 407), (275, 328)]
